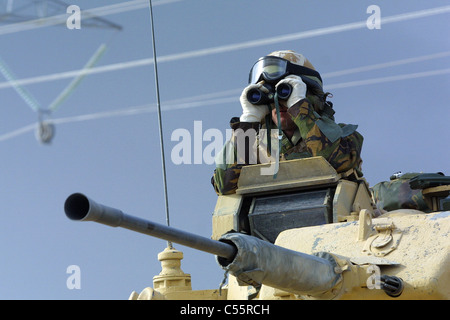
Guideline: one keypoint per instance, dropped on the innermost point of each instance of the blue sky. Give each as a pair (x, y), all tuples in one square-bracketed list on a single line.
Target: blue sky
[(391, 81)]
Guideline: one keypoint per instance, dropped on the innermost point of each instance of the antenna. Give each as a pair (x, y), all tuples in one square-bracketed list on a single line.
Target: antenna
[(158, 105)]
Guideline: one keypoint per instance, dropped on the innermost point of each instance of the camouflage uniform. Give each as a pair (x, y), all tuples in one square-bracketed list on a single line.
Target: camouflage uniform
[(398, 194), (317, 135)]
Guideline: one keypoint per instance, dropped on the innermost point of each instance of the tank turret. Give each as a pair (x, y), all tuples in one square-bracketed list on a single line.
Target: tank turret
[(309, 233)]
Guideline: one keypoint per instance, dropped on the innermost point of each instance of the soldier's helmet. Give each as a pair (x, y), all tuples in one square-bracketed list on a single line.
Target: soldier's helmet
[(279, 64)]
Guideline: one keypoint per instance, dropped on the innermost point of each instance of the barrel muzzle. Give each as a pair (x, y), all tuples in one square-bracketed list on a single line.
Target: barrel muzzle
[(78, 207)]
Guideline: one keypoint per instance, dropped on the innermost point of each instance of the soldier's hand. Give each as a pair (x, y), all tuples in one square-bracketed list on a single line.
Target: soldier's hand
[(251, 112), (298, 89)]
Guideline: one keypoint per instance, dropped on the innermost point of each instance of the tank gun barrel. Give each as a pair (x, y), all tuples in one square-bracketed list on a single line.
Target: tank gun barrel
[(79, 207), (251, 260)]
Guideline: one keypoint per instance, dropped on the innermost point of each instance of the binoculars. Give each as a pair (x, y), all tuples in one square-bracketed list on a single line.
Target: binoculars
[(257, 96)]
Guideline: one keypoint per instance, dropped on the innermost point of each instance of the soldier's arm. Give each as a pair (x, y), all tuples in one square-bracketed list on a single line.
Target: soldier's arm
[(225, 181), (228, 166)]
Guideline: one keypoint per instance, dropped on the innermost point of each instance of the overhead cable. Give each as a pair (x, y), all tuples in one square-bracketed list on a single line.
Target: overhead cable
[(96, 12), (232, 47), (192, 103)]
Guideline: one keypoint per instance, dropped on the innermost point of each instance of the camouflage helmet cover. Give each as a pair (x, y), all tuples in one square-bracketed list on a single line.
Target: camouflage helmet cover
[(293, 57)]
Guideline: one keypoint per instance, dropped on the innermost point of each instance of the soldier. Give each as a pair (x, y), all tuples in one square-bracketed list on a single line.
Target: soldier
[(296, 108)]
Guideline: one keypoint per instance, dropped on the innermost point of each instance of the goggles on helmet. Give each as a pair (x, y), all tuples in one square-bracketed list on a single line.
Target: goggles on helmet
[(272, 69)]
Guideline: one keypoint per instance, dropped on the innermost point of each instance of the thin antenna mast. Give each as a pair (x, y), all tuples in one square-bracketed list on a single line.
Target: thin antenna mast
[(158, 104)]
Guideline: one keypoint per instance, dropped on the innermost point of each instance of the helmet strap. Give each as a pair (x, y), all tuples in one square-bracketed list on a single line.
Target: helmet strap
[(280, 134)]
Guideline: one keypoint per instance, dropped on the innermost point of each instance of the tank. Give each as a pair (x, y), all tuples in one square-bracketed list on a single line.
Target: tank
[(308, 233)]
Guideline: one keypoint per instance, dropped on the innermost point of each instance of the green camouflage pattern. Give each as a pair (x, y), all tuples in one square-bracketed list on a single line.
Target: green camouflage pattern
[(397, 194), (342, 151)]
